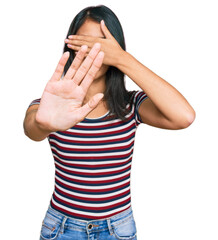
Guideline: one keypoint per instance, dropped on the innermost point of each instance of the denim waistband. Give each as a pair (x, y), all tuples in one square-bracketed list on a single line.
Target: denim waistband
[(92, 225)]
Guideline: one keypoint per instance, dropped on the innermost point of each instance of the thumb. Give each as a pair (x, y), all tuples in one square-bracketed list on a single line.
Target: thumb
[(105, 30), (90, 105)]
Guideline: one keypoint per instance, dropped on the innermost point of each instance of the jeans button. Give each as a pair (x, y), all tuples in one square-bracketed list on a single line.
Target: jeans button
[(90, 226)]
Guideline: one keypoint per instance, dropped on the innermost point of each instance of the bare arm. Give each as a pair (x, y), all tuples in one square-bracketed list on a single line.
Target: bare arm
[(32, 128), (166, 107)]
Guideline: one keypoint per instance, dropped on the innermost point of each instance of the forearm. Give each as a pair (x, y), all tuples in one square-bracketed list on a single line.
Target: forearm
[(33, 129), (166, 98)]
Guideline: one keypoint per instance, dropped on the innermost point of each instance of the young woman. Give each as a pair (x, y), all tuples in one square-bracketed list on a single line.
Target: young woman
[(90, 120)]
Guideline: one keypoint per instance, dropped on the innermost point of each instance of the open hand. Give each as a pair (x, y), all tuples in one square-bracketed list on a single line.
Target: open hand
[(61, 102), (109, 45)]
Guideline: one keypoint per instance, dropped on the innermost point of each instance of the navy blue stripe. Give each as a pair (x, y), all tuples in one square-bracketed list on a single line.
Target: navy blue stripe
[(96, 151), (70, 134), (115, 141), (95, 168), (93, 174), (96, 201), (103, 159), (89, 184)]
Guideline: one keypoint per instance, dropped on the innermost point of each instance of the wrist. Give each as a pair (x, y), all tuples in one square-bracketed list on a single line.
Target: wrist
[(122, 58), (42, 127)]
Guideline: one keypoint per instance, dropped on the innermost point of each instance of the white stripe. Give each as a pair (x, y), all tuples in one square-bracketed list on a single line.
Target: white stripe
[(87, 138), (93, 179), (95, 196), (92, 154), (91, 162), (95, 146), (92, 204), (93, 170), (92, 187), (89, 213), (106, 130)]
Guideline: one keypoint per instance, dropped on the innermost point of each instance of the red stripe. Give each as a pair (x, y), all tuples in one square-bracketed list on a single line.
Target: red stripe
[(83, 216), (92, 166), (93, 174), (99, 150), (71, 195), (93, 157), (95, 142), (89, 182), (99, 134), (78, 126), (72, 205)]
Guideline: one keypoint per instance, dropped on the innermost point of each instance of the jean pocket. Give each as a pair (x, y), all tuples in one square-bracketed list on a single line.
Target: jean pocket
[(126, 229), (50, 227)]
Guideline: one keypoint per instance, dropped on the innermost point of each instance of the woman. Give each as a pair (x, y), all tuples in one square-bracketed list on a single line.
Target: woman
[(90, 120)]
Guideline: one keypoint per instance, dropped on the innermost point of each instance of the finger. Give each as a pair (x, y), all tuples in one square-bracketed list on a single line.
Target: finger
[(60, 67), (92, 71), (90, 105), (83, 69), (78, 42), (82, 38), (76, 63), (105, 30), (76, 48)]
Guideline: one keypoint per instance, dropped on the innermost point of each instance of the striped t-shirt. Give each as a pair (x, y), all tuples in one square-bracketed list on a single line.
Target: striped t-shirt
[(93, 164)]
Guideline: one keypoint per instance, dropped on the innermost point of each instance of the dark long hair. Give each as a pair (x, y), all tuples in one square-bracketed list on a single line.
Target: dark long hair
[(115, 95)]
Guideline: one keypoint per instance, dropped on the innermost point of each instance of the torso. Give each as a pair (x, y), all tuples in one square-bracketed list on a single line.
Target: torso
[(93, 163)]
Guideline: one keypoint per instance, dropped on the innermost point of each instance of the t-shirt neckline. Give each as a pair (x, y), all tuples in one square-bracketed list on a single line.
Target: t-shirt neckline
[(98, 118)]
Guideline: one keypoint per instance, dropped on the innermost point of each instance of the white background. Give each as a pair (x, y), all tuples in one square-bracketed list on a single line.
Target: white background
[(174, 173)]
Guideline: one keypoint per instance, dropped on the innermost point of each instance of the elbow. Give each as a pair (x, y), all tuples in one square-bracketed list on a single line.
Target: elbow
[(192, 117), (32, 137), (188, 119)]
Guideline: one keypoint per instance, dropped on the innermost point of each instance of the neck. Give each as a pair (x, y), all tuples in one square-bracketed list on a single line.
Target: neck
[(97, 86)]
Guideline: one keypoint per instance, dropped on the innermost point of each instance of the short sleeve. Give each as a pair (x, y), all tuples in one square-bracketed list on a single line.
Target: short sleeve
[(139, 97), (36, 101)]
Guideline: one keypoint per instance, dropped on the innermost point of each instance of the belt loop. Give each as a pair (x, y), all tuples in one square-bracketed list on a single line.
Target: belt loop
[(62, 225), (109, 226)]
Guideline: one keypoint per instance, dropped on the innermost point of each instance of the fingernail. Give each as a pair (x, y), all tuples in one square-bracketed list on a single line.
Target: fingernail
[(100, 95), (66, 40), (69, 45), (98, 45), (101, 54), (70, 37), (102, 21), (67, 53)]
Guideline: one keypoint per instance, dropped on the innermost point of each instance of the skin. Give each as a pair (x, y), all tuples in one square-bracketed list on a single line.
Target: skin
[(79, 94)]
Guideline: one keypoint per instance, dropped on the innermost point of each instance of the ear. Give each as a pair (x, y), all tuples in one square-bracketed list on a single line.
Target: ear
[(106, 31)]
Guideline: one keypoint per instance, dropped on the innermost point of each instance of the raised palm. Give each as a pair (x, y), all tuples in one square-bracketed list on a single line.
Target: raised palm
[(61, 102)]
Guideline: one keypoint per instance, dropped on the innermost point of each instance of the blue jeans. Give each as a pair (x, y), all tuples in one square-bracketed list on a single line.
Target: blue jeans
[(57, 226)]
